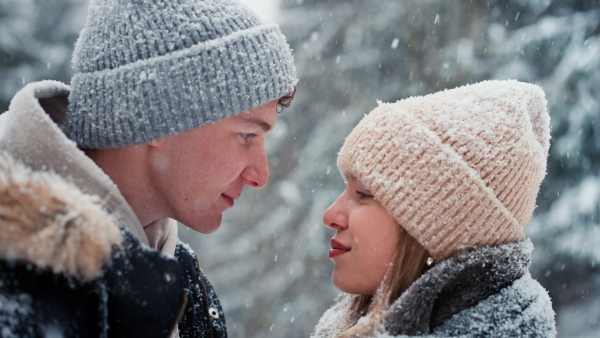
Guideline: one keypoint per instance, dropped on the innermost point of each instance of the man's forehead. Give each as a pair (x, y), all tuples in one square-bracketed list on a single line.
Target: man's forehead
[(264, 117), (264, 125)]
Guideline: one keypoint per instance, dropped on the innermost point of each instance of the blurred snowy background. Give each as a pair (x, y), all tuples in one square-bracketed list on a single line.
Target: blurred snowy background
[(269, 261)]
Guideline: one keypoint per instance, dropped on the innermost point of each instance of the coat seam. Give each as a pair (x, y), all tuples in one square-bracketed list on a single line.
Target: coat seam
[(206, 305)]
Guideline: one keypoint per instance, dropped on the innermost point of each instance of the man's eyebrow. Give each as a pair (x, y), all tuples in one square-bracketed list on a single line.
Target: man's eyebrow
[(252, 120)]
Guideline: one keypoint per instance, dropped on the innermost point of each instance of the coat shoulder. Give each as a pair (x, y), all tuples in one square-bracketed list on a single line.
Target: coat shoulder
[(48, 222), (522, 309), (37, 302), (68, 270)]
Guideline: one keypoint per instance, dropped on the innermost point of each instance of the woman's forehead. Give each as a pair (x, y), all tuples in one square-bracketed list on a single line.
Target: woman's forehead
[(348, 176)]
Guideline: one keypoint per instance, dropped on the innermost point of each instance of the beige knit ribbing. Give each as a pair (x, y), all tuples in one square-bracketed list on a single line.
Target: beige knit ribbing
[(456, 169)]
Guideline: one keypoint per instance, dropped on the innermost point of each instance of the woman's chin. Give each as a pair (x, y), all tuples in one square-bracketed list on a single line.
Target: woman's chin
[(352, 287)]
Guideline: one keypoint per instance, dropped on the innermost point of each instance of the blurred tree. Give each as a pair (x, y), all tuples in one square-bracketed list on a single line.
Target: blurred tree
[(36, 42), (269, 260), (349, 54)]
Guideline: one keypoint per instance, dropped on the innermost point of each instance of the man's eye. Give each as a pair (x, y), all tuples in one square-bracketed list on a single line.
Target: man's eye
[(363, 194), (248, 136)]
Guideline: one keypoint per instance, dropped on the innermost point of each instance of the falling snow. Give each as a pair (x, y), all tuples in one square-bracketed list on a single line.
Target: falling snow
[(268, 262)]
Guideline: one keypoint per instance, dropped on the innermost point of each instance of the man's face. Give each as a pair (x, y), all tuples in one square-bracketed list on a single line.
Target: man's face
[(198, 174)]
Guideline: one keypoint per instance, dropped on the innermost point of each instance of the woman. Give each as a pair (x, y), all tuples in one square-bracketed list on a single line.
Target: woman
[(429, 231)]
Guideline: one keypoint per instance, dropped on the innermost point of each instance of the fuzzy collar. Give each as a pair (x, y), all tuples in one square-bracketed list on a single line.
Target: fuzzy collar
[(49, 222), (457, 284), (29, 132)]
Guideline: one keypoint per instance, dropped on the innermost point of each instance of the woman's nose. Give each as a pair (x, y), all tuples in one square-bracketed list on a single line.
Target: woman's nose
[(335, 217)]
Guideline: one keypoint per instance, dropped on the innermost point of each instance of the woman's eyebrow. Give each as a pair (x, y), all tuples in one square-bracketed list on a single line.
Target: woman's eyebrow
[(252, 120)]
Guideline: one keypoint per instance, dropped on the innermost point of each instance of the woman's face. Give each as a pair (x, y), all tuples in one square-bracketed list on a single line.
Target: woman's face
[(365, 240)]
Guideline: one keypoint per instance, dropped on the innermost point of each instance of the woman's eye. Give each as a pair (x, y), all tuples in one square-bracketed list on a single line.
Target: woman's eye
[(363, 194)]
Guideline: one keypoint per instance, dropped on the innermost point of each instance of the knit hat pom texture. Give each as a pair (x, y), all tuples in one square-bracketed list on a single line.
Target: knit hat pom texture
[(147, 69), (457, 169)]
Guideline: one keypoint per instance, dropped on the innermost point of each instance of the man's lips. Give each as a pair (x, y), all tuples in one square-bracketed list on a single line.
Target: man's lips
[(337, 249), (230, 198)]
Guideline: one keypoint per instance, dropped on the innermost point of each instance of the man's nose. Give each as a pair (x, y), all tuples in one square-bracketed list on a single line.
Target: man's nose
[(257, 173)]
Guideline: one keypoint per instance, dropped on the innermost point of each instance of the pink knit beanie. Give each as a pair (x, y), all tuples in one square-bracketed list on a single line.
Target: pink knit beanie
[(457, 169)]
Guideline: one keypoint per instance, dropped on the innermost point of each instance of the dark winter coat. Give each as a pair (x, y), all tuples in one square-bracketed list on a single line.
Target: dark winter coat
[(61, 275), (74, 259), (487, 292)]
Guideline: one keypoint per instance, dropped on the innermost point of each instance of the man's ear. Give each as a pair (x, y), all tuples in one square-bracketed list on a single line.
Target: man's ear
[(157, 143)]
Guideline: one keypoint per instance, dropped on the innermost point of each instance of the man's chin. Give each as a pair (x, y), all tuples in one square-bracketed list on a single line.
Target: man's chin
[(207, 225)]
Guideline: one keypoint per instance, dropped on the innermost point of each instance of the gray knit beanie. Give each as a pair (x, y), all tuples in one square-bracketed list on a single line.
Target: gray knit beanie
[(147, 69)]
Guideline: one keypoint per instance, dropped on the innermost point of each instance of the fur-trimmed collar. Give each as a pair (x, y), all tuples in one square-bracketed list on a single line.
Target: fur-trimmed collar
[(457, 284), (29, 132), (50, 223)]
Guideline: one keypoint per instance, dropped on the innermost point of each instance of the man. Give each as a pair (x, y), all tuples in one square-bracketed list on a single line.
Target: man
[(164, 121)]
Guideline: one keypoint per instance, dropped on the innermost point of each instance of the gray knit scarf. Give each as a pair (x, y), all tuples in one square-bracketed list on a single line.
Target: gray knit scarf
[(457, 284)]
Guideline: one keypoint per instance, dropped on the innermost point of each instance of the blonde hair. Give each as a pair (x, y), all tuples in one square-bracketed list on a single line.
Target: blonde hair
[(364, 314)]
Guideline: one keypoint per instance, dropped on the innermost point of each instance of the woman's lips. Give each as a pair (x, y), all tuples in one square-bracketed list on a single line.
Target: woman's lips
[(337, 249)]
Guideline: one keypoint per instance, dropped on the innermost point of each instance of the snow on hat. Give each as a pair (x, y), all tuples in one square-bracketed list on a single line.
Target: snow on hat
[(147, 69), (456, 169)]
